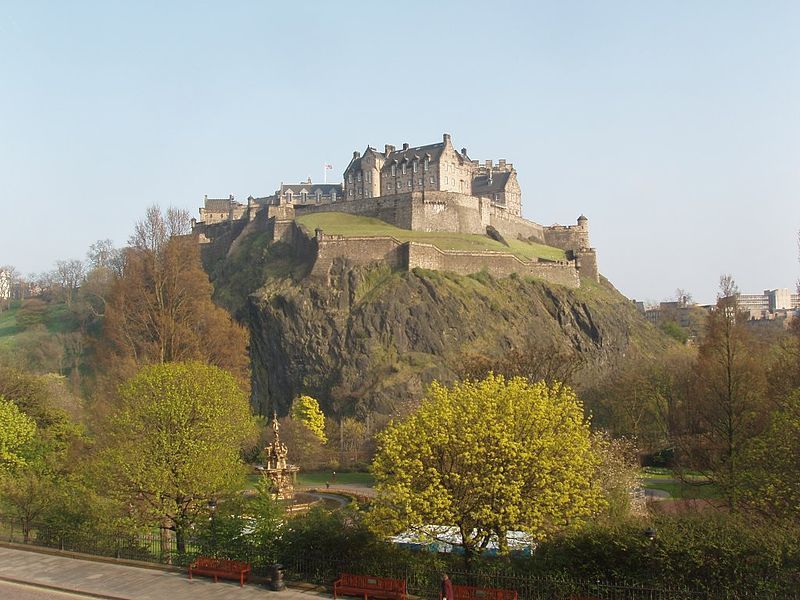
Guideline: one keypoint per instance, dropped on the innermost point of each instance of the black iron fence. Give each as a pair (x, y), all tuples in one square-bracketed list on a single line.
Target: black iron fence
[(422, 579)]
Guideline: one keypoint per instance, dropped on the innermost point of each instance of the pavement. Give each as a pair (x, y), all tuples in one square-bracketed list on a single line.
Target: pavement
[(46, 575)]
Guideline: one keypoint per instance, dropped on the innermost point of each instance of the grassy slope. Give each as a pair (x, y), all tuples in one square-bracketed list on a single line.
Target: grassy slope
[(9, 328), (57, 319), (335, 223)]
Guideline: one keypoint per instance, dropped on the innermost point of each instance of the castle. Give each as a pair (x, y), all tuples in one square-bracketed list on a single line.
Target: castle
[(431, 188)]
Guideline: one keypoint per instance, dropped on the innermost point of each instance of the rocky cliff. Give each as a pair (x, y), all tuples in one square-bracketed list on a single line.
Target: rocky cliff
[(373, 339)]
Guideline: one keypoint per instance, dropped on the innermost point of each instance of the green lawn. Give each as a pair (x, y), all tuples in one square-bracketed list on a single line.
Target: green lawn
[(695, 487), (8, 327), (318, 478), (336, 223)]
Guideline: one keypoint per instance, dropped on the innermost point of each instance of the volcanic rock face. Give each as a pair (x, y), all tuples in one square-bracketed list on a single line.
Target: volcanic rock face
[(371, 340)]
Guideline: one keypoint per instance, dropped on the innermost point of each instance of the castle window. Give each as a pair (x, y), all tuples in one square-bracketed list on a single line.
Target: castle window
[(319, 196), (358, 177), (404, 168), (433, 179), (351, 191), (333, 196), (394, 170), (420, 180), (303, 196), (409, 183), (425, 164), (414, 166), (398, 185), (369, 176), (350, 178)]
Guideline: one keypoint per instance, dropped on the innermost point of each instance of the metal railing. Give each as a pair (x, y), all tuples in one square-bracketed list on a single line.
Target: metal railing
[(422, 579)]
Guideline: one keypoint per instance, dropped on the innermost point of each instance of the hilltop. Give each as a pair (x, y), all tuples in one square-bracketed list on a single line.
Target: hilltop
[(370, 337)]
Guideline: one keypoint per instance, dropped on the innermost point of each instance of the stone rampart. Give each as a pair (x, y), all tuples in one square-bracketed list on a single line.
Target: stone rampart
[(409, 255), (395, 210), (357, 251), (573, 237), (436, 211), (497, 264)]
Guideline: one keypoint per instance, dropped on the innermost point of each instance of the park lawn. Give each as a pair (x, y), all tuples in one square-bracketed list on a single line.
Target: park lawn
[(336, 223), (696, 486), (686, 491), (319, 478)]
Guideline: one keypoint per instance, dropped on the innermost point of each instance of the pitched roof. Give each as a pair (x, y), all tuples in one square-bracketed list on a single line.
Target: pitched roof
[(419, 152), (482, 185), (311, 188), (217, 205)]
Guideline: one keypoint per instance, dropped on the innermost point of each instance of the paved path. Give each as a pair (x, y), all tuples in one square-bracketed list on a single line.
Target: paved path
[(121, 582), (18, 591)]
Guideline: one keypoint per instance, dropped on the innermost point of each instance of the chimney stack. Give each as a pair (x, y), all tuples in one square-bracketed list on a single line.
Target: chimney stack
[(463, 152), (388, 149), (502, 163), (446, 137), (488, 164), (405, 146), (356, 154)]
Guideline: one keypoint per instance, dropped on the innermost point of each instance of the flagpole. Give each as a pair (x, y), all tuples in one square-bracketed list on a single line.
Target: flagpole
[(325, 172)]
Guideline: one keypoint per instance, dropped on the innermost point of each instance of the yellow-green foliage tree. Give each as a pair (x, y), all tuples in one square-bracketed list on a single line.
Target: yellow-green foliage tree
[(487, 457), (305, 410), (16, 431), (175, 443)]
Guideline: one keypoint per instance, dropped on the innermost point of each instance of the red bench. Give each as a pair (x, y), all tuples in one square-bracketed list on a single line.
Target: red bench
[(369, 586), (220, 567), (468, 592)]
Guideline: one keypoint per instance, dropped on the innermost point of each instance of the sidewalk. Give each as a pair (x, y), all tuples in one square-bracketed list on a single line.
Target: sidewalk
[(122, 582)]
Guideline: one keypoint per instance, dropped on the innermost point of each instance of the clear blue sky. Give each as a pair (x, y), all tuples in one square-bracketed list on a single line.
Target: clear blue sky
[(674, 126)]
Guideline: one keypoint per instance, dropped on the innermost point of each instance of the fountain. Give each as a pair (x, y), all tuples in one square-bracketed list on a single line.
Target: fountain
[(281, 475)]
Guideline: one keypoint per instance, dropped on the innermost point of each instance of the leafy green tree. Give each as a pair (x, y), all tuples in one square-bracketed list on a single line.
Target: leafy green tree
[(175, 443), (17, 430), (305, 409), (487, 457)]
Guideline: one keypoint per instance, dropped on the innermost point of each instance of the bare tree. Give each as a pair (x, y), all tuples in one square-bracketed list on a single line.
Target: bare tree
[(154, 231), (69, 275)]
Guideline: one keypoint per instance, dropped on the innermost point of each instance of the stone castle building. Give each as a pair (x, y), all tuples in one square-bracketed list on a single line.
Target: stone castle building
[(432, 168), (431, 188)]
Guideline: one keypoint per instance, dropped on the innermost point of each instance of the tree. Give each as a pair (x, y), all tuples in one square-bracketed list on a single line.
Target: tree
[(305, 410), (160, 309), (487, 457), (16, 431), (68, 276), (728, 406), (175, 443), (533, 361), (770, 465)]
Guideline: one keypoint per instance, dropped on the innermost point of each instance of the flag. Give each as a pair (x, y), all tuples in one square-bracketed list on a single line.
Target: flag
[(328, 167)]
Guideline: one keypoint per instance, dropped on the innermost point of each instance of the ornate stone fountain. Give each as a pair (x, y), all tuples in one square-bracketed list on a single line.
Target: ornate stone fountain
[(281, 475)]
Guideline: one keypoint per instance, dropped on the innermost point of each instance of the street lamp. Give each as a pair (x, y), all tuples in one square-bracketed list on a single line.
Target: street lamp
[(212, 506)]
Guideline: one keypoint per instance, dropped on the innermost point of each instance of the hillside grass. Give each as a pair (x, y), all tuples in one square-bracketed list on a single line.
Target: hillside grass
[(9, 328), (336, 223)]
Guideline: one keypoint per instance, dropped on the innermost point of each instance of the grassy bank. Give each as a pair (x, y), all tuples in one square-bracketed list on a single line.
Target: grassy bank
[(335, 223)]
